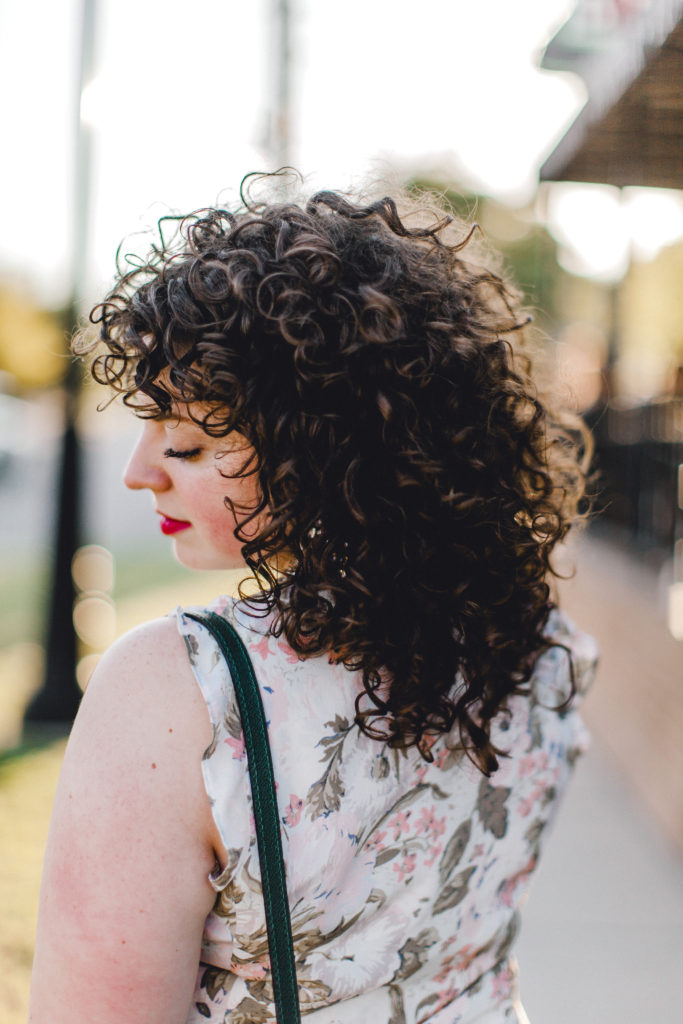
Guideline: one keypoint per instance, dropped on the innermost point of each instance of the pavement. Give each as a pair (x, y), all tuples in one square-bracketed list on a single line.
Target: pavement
[(602, 932)]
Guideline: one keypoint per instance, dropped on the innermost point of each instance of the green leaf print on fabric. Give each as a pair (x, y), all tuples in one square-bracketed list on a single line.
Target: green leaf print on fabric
[(232, 722), (387, 855), (248, 1011), (399, 805), (312, 993), (535, 730), (324, 796), (504, 940), (395, 911), (398, 1012), (211, 749), (429, 1000), (192, 646), (413, 953), (455, 847), (491, 808), (454, 893), (224, 877), (216, 979), (228, 899)]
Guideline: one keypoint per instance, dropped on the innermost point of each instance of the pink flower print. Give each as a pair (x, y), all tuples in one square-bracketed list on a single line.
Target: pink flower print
[(294, 809), (237, 745), (375, 843), (429, 823), (426, 820), (406, 867), (435, 851), (507, 892), (524, 807), (442, 757), (446, 967), (438, 828), (261, 648), (427, 742), (421, 772), (526, 765), (465, 956), (399, 823), (501, 987), (291, 656), (251, 971), (507, 889), (446, 996)]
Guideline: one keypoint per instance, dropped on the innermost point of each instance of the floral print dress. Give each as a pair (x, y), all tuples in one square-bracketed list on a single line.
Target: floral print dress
[(405, 878)]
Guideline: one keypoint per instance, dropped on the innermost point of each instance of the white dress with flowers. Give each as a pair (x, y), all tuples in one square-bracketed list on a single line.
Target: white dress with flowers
[(404, 878)]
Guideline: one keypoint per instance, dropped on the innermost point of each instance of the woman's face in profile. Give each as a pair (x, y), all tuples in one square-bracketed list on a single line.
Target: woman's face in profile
[(188, 473)]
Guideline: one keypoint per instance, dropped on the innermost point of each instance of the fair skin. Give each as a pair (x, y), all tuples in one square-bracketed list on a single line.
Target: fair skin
[(182, 467), (132, 841)]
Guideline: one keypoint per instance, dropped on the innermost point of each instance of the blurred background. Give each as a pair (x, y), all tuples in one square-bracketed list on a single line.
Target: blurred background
[(558, 126)]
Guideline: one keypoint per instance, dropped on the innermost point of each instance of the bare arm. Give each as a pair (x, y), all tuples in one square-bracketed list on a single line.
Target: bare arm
[(131, 843)]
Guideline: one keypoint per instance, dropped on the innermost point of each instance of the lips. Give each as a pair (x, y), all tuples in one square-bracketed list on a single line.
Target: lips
[(170, 526)]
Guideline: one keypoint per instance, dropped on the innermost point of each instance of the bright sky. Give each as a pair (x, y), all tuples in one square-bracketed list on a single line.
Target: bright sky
[(180, 102)]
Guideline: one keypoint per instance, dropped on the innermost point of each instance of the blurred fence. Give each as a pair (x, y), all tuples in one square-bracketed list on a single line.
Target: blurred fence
[(639, 454)]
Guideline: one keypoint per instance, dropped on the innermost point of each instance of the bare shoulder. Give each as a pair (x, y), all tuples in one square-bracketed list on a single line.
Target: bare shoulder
[(130, 810), (143, 723), (147, 670), (142, 706), (153, 647)]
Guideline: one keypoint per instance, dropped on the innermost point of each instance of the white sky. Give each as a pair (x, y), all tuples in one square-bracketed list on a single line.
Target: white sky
[(181, 99)]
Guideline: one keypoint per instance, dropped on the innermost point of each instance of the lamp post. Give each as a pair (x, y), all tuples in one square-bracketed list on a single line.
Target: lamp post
[(279, 114), (58, 699)]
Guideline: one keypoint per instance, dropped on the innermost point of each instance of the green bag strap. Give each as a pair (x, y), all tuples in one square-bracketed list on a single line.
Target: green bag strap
[(266, 816)]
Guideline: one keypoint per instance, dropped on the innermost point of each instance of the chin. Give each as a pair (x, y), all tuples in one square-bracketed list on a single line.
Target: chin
[(200, 561)]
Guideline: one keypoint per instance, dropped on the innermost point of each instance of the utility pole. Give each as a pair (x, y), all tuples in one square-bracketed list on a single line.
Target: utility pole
[(280, 120), (60, 695)]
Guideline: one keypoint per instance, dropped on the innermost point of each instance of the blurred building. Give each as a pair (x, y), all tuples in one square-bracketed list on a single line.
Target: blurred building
[(630, 133), (630, 55)]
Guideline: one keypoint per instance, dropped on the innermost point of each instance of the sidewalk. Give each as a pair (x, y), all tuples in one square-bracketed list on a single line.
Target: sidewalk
[(635, 709), (602, 933)]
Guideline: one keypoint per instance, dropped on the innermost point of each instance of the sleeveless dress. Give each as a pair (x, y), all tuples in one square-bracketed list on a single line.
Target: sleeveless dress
[(405, 878)]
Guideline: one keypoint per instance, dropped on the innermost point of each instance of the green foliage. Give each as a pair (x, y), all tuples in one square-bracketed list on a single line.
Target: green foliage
[(529, 251)]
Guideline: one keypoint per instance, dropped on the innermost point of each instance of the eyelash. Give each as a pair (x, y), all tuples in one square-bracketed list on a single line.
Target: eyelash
[(191, 453)]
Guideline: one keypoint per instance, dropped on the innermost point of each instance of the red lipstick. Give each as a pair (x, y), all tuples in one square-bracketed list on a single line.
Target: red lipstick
[(170, 526)]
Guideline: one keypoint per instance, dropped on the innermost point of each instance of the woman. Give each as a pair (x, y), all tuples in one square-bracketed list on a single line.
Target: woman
[(331, 396)]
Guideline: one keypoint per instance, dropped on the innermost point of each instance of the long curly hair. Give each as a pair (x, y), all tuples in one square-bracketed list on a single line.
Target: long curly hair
[(414, 481)]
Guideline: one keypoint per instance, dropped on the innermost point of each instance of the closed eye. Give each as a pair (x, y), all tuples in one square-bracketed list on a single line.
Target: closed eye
[(189, 453)]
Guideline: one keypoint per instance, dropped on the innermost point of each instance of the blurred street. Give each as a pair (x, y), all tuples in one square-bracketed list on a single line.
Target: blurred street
[(603, 929), (586, 209)]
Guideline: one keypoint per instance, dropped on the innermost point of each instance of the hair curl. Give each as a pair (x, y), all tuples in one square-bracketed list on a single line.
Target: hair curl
[(410, 472)]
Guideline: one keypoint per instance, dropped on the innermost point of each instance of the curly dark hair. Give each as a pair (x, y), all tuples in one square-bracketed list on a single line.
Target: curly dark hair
[(414, 482)]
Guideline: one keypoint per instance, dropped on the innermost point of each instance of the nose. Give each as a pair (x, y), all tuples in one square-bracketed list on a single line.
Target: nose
[(145, 468)]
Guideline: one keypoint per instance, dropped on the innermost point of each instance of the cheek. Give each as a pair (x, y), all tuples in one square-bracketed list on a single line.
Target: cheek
[(219, 518)]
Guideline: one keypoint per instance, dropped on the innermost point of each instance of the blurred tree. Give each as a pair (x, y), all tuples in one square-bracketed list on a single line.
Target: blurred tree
[(529, 250), (31, 342)]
